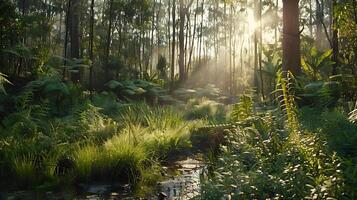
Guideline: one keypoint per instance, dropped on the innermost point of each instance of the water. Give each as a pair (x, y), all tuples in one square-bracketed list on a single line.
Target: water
[(186, 185), (182, 183)]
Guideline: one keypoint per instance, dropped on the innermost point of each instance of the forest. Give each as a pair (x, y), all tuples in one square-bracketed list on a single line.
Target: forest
[(178, 99)]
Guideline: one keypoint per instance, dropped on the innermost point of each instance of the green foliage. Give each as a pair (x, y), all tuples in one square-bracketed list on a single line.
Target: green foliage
[(340, 136), (48, 86), (315, 63), (29, 118), (164, 144), (321, 94), (160, 118), (244, 109), (286, 86), (353, 115), (25, 168), (204, 108), (348, 86), (263, 164), (209, 91), (3, 80), (137, 90)]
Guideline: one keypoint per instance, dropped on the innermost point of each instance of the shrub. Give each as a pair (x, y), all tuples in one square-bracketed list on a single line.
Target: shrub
[(205, 109)]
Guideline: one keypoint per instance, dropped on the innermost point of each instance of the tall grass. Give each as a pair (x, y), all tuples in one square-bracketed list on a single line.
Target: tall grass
[(85, 159), (206, 109), (24, 167), (127, 146), (152, 117)]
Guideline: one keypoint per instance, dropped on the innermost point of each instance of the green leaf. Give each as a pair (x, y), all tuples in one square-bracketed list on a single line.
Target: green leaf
[(113, 84), (323, 57), (306, 67)]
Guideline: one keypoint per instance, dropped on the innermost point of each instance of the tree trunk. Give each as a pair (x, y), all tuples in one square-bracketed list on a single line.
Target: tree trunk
[(75, 35), (158, 35), (201, 34), (310, 19), (319, 21), (107, 48), (91, 57), (75, 28), (256, 48), (68, 12), (193, 39), (291, 37), (182, 42), (173, 41), (261, 48), (335, 44), (152, 37)]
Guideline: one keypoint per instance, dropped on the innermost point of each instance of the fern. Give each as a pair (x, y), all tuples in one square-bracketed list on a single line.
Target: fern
[(3, 79), (244, 109), (353, 115), (286, 99)]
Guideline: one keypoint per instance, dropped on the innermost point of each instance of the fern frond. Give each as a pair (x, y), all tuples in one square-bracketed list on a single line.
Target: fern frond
[(353, 115), (286, 99), (3, 79)]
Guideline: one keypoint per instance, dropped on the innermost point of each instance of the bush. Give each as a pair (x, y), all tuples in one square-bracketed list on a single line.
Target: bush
[(206, 109), (261, 161)]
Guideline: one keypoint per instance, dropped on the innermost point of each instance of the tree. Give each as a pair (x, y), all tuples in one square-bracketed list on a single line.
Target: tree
[(291, 37), (173, 40), (75, 28), (91, 57), (108, 40), (183, 12), (335, 45)]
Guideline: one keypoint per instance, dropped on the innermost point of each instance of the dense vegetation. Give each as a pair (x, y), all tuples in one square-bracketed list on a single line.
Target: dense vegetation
[(115, 91)]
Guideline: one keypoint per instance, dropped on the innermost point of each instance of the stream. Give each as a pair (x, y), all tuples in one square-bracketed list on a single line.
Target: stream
[(182, 182)]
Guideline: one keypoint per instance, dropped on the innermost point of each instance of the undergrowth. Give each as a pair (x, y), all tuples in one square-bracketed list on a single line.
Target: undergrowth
[(286, 153)]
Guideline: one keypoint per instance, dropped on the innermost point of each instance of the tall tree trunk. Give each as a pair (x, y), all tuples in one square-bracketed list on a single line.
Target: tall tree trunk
[(261, 48), (152, 37), (291, 37), (91, 57), (193, 39), (277, 22), (335, 43), (182, 42), (75, 28), (319, 22), (231, 51), (75, 35), (310, 19), (169, 32), (158, 34), (187, 37), (68, 17), (107, 47), (173, 41), (201, 34), (256, 46)]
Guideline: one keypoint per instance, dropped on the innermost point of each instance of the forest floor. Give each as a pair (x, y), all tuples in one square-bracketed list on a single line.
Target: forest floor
[(194, 143), (181, 179)]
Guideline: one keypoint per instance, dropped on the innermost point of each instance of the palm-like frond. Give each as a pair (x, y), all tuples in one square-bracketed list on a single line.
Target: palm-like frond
[(353, 114), (3, 79)]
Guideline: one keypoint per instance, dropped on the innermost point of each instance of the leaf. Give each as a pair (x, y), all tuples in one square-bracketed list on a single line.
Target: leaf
[(306, 67), (113, 84), (313, 51), (55, 87), (323, 57)]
